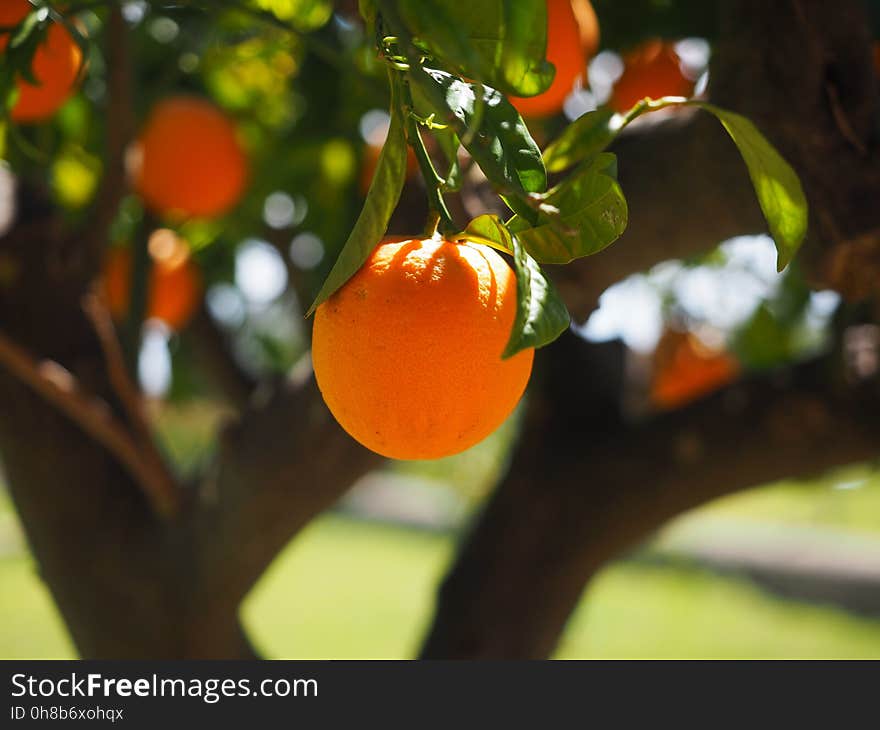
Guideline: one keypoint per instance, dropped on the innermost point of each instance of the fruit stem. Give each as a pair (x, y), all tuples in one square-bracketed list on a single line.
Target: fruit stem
[(439, 218)]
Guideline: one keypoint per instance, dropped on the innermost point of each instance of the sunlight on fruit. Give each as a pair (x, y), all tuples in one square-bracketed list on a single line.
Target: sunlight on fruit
[(407, 353)]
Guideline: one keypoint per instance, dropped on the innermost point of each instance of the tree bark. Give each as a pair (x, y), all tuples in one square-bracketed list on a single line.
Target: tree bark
[(128, 583), (585, 485)]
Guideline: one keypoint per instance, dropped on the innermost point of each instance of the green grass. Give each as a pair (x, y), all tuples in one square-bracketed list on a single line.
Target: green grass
[(348, 589), (30, 626), (845, 499)]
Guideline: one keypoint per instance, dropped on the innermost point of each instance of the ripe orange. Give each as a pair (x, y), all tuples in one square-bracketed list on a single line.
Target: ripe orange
[(56, 66), (175, 283), (651, 69), (188, 161), (572, 39), (407, 353), (685, 369)]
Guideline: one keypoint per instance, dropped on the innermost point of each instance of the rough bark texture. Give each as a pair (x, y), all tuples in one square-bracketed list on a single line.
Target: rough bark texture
[(583, 488), (127, 583), (587, 485)]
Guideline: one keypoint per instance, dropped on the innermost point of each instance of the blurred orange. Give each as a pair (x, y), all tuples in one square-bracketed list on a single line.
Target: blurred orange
[(56, 66), (175, 283), (650, 70), (188, 160), (685, 368), (572, 39)]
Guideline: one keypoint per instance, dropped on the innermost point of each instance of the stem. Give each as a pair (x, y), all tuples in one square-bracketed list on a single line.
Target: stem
[(439, 218), (120, 131)]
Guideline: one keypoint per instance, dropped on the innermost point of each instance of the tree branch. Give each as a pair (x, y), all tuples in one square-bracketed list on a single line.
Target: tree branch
[(130, 398), (217, 361), (687, 190), (120, 130), (687, 186), (585, 489), (59, 386), (591, 486), (283, 462)]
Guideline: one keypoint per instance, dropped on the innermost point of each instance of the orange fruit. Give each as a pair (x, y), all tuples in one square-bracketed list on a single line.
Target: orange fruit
[(407, 353), (686, 368), (187, 160), (572, 39), (653, 70), (56, 66), (175, 283)]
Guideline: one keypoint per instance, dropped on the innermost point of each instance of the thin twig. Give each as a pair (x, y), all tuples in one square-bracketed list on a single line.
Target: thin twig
[(125, 389), (120, 129), (59, 387), (842, 121)]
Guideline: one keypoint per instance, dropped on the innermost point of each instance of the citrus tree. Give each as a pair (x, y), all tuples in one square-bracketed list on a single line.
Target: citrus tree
[(442, 251)]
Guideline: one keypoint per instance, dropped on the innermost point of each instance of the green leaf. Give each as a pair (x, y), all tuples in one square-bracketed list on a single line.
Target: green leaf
[(541, 315), (776, 184), (489, 230), (586, 136), (380, 203), (500, 42), (446, 138), (24, 41), (501, 144), (592, 213), (448, 142)]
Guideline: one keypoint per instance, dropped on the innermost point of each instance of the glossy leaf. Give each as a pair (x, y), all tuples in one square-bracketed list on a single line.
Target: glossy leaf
[(500, 144), (776, 184), (586, 136), (500, 42), (380, 203), (489, 230), (24, 40), (541, 315), (592, 213), (446, 138)]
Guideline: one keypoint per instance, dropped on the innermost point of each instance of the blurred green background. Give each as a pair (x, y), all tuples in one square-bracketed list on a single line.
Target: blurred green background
[(360, 581)]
